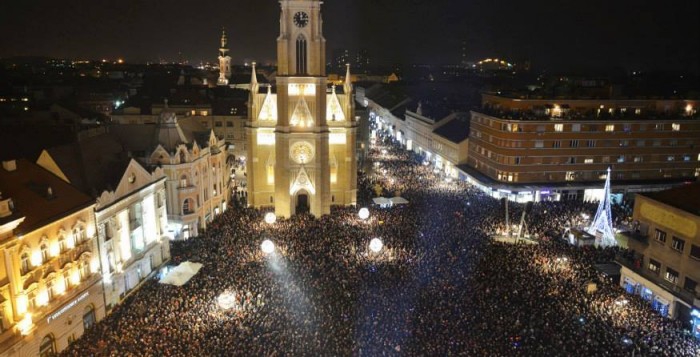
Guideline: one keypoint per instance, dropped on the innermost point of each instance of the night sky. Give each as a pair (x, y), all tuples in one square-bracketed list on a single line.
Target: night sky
[(551, 33)]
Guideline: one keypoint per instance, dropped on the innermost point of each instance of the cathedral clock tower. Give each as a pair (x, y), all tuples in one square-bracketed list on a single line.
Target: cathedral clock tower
[(301, 135)]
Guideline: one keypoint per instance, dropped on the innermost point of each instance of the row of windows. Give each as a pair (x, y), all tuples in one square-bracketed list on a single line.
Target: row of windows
[(677, 244), (671, 275), (557, 160), (577, 127)]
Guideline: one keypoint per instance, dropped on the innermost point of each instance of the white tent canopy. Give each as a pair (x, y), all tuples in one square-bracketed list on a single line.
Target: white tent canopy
[(398, 201), (181, 274), (382, 201)]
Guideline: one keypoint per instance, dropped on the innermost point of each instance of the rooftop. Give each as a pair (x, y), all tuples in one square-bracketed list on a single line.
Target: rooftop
[(456, 129), (686, 197), (41, 196)]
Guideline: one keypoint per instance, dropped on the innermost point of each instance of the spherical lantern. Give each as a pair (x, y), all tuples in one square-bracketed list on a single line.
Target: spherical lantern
[(364, 213), (227, 300), (376, 245), (270, 218), (267, 246)]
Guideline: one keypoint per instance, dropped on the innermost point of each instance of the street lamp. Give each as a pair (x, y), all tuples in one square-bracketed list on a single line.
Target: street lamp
[(363, 213), (376, 245), (270, 218), (267, 246)]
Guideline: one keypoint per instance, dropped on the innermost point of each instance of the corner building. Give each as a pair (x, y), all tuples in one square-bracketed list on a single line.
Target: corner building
[(301, 132)]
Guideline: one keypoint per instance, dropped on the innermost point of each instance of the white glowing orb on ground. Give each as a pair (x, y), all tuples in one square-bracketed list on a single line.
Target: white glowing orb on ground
[(364, 213), (227, 300), (267, 246), (376, 245), (270, 218)]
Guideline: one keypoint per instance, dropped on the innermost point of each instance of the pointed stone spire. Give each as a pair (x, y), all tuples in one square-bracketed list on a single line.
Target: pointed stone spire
[(224, 39), (347, 87), (254, 80)]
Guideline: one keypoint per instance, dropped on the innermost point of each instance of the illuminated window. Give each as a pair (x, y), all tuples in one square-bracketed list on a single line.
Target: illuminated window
[(575, 127), (570, 176), (678, 244), (588, 161), (24, 263), (638, 159), (676, 127), (301, 55), (44, 252), (621, 158), (660, 236), (670, 158), (610, 127), (558, 127), (638, 111), (539, 144), (654, 266), (671, 275)]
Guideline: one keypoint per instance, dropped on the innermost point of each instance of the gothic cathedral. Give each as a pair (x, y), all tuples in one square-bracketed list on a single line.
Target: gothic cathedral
[(301, 132)]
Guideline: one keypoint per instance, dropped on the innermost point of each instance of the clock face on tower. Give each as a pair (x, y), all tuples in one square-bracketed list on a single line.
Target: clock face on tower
[(301, 19)]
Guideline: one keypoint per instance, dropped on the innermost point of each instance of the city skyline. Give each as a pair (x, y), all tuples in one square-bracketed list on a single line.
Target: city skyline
[(552, 35)]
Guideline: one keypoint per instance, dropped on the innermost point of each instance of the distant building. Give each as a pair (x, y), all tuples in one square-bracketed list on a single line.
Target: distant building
[(664, 265), (51, 287), (440, 137), (537, 149), (341, 57), (224, 61), (194, 161)]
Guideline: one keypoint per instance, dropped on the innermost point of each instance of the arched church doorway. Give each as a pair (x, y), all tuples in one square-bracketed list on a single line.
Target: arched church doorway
[(302, 202)]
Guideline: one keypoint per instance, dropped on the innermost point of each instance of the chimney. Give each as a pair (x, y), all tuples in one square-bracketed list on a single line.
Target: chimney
[(6, 207), (10, 165)]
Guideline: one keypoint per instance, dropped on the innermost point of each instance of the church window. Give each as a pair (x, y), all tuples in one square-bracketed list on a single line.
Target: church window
[(301, 55)]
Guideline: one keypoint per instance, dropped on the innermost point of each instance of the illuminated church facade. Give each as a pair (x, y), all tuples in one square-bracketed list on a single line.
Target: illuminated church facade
[(301, 132)]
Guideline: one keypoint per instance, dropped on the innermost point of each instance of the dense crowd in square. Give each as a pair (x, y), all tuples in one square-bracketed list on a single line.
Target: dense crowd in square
[(440, 287)]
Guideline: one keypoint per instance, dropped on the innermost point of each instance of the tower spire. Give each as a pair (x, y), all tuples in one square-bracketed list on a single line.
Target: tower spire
[(348, 79), (254, 80), (224, 39), (224, 60), (602, 223)]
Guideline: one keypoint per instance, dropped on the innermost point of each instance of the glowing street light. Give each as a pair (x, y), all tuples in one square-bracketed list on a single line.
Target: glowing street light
[(267, 246), (227, 300), (270, 218), (363, 213), (376, 245)]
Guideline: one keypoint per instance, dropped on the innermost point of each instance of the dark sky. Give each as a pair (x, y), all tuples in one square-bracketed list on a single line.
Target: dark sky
[(551, 33)]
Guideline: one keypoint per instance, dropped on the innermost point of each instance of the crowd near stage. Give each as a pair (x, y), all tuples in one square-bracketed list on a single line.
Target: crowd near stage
[(424, 278)]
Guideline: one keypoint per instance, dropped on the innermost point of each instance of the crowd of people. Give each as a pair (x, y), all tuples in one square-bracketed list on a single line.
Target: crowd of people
[(441, 286)]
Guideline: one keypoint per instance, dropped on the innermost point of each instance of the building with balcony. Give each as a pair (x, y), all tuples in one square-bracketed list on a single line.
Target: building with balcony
[(50, 282), (193, 159), (537, 149), (663, 263)]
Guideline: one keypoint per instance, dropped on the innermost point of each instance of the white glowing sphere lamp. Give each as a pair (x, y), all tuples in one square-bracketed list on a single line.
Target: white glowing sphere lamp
[(376, 245), (270, 218), (267, 246), (227, 300), (364, 213)]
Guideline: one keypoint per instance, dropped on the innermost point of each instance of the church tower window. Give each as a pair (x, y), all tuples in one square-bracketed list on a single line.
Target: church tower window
[(301, 55)]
